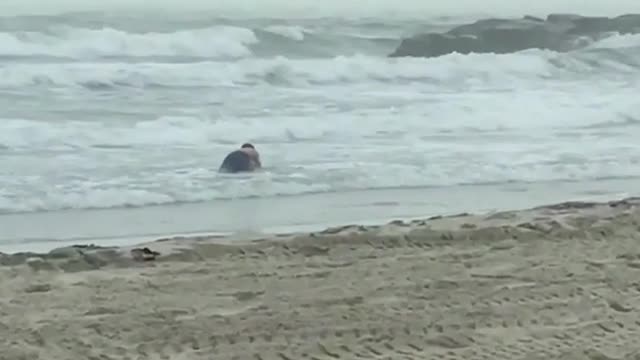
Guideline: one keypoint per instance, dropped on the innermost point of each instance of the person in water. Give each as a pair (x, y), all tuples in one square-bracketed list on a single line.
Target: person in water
[(243, 160)]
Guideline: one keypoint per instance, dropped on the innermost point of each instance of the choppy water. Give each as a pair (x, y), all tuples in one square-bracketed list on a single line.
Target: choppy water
[(104, 111)]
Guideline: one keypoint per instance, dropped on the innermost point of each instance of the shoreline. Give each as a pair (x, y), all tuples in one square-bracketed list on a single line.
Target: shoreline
[(124, 227), (538, 221), (558, 281)]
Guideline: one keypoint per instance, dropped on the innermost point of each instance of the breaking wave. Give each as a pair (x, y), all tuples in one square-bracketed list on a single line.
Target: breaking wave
[(323, 98)]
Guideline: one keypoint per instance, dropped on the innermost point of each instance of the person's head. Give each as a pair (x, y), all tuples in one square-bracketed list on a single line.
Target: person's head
[(250, 150)]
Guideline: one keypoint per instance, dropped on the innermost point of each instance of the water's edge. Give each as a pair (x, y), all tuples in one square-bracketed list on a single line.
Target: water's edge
[(45, 231)]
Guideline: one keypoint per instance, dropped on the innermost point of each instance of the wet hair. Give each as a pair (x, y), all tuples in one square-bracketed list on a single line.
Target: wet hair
[(247, 145)]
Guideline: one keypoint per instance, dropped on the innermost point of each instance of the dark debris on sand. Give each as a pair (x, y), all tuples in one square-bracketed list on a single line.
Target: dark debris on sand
[(77, 258)]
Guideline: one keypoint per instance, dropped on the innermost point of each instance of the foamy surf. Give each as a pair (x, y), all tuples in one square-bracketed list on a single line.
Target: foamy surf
[(134, 114)]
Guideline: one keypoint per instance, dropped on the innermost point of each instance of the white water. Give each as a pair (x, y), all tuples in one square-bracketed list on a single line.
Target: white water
[(114, 112)]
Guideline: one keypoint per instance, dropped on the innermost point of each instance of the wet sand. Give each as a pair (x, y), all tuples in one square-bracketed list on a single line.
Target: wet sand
[(553, 282), (303, 213)]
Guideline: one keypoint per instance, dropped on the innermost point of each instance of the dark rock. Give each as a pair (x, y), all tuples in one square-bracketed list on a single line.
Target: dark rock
[(558, 32), (16, 258), (144, 254), (65, 252)]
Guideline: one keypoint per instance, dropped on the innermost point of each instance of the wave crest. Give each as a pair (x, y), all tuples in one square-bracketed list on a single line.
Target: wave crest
[(448, 71), (81, 43)]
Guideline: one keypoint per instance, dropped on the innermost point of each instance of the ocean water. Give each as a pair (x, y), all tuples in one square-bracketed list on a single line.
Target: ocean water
[(111, 112)]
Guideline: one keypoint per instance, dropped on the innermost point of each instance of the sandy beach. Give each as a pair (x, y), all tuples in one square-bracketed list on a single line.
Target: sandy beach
[(552, 282)]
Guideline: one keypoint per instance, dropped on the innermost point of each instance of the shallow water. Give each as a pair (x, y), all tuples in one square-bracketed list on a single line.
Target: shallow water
[(253, 217)]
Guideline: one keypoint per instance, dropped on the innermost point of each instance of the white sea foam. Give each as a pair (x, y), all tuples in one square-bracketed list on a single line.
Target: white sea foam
[(617, 41), (420, 141), (97, 118), (217, 41), (292, 32), (447, 73)]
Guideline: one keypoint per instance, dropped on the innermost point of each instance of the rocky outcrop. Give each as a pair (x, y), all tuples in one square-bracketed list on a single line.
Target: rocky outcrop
[(558, 32)]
